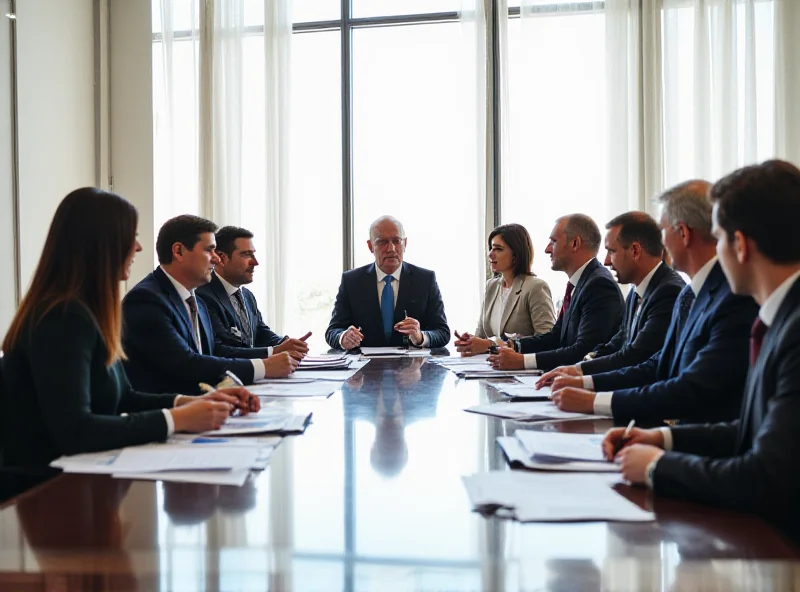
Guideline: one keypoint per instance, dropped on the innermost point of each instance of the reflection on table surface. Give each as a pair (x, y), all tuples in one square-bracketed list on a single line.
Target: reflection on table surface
[(370, 498)]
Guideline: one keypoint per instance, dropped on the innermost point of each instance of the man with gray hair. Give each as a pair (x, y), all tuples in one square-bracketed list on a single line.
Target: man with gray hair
[(389, 302), (591, 310), (699, 374)]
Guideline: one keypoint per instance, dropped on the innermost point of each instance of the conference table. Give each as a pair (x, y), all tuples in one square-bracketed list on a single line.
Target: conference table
[(370, 498)]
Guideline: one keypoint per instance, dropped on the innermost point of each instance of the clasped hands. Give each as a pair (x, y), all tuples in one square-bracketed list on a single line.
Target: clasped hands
[(635, 452), (352, 337)]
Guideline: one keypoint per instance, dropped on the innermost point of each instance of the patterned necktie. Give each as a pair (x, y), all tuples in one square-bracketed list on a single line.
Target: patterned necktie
[(683, 306), (567, 299), (637, 306), (244, 319), (387, 306), (195, 322), (757, 333)]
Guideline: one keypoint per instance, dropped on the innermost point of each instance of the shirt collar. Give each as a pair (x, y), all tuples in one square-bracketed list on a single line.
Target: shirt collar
[(769, 310), (179, 287), (381, 275), (229, 288), (702, 275), (576, 277), (642, 287)]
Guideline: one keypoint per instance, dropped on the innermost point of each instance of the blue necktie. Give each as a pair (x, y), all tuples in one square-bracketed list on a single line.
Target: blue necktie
[(685, 302), (387, 306)]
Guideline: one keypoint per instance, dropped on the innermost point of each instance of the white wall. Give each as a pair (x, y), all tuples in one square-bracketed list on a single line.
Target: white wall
[(7, 267), (131, 64), (55, 73)]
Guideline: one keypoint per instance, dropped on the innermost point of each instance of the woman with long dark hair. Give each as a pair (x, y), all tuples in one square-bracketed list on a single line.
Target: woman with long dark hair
[(65, 388)]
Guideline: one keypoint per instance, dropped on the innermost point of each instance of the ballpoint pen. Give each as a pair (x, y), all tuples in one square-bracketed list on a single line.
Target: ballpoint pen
[(626, 435)]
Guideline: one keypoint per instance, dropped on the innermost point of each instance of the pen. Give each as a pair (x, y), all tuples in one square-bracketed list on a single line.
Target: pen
[(405, 312), (236, 380), (626, 435)]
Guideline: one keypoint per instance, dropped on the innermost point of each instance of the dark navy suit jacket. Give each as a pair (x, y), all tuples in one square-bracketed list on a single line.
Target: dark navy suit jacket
[(640, 335), (357, 304), (593, 317), (698, 375), (748, 464), (162, 354), (224, 319)]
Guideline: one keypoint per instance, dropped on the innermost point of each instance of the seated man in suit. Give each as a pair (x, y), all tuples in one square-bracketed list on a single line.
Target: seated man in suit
[(635, 252), (745, 464), (232, 307), (699, 373), (591, 310), (380, 303), (167, 333)]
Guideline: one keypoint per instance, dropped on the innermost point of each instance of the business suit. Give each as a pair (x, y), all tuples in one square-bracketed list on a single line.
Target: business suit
[(528, 311), (641, 334), (158, 339), (357, 304), (61, 398), (699, 374), (224, 318), (593, 317), (748, 464)]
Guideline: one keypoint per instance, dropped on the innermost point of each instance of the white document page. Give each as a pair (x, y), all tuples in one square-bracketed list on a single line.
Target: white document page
[(292, 389), (459, 361), (383, 351), (524, 391), (149, 459), (528, 411), (553, 497), (517, 455), (558, 445), (236, 477), (528, 380)]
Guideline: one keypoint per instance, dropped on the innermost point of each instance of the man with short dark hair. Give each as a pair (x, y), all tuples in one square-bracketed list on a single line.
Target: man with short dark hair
[(746, 464), (167, 333), (591, 310), (634, 252), (233, 309), (708, 332)]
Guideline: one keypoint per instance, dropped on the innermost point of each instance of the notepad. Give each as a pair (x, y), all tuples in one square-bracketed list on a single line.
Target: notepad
[(518, 457), (561, 446)]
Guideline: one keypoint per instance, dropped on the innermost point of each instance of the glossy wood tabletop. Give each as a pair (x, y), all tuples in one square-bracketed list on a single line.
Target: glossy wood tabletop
[(370, 498)]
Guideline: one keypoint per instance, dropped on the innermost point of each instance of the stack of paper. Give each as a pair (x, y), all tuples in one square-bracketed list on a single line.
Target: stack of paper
[(394, 352), (309, 388), (269, 420), (547, 497), (523, 391), (518, 455), (454, 361), (528, 411), (327, 362)]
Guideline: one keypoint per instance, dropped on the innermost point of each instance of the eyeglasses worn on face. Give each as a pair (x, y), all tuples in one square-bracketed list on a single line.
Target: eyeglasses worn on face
[(383, 242)]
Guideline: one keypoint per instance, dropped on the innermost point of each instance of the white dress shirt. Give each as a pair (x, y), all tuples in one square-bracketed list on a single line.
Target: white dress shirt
[(767, 313), (529, 360), (231, 290), (602, 401), (498, 309)]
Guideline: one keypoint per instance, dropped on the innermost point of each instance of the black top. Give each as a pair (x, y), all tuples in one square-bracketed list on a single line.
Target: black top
[(224, 318), (357, 304), (60, 398)]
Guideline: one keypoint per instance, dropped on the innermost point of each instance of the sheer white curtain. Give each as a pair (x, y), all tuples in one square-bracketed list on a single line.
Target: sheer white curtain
[(720, 88), (221, 98)]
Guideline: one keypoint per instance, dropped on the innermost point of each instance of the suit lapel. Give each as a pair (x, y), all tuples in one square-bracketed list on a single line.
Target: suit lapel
[(659, 275), (222, 296), (704, 299), (175, 300), (513, 298), (206, 330), (404, 296)]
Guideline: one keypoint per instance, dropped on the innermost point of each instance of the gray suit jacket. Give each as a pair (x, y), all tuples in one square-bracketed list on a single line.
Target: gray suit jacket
[(529, 309)]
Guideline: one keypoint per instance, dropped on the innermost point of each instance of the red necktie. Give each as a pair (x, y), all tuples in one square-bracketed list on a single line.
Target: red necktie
[(567, 298), (757, 333)]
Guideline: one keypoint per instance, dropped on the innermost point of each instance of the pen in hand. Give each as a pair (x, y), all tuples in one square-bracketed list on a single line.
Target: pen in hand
[(626, 437)]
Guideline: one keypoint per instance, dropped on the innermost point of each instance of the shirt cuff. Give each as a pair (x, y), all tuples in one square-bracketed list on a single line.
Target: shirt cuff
[(588, 383), (175, 401), (426, 340), (269, 351), (259, 371), (602, 403), (667, 433), (529, 361), (170, 422)]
